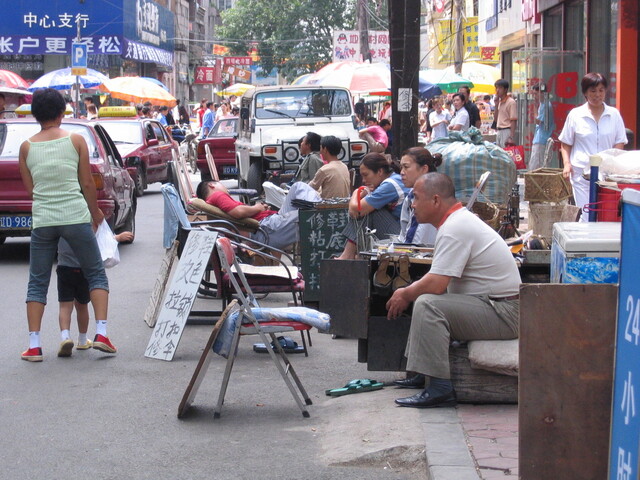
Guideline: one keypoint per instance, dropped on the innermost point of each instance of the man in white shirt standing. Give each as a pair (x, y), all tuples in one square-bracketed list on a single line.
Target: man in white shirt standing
[(460, 121)]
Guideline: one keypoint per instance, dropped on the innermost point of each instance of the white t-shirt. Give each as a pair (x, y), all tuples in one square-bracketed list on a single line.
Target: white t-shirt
[(587, 138), (461, 118), (425, 233), (439, 131), (476, 258)]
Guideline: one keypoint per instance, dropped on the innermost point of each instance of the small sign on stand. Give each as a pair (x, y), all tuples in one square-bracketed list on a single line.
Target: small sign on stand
[(180, 295), (78, 58), (625, 416)]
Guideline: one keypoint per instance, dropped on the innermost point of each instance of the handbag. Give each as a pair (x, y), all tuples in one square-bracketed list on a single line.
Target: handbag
[(516, 152), (108, 245)]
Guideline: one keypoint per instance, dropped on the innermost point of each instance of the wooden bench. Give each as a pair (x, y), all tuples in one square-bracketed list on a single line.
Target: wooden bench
[(383, 350)]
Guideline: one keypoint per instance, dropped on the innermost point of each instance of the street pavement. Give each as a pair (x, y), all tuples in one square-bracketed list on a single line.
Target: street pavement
[(112, 417)]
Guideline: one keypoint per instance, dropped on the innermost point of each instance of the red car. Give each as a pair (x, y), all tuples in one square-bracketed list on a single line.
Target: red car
[(222, 143), (115, 187), (145, 146)]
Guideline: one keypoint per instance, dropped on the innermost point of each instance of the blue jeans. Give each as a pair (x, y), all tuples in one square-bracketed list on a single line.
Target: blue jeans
[(44, 246)]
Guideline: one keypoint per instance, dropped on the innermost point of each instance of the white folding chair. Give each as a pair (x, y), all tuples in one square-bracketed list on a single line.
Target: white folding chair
[(247, 324)]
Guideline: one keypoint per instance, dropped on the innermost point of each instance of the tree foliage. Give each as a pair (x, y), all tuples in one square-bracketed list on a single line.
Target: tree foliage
[(295, 36)]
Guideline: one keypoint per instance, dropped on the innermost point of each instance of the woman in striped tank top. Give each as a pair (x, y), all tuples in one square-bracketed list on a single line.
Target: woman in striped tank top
[(55, 170)]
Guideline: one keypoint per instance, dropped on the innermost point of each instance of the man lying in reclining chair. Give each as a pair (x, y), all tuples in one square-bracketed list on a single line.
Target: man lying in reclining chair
[(281, 227)]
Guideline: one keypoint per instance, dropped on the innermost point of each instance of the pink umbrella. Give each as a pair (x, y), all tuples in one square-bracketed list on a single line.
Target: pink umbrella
[(12, 80), (358, 77)]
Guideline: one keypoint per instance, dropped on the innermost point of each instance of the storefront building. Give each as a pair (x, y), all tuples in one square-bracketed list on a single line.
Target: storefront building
[(124, 37)]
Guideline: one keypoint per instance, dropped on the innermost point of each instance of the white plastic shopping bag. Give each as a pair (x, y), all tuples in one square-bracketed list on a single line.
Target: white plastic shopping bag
[(108, 245)]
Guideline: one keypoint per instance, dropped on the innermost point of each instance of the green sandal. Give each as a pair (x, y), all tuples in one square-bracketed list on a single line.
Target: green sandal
[(355, 386)]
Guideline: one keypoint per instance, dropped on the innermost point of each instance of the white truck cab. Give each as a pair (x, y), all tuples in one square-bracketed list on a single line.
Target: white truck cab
[(273, 119)]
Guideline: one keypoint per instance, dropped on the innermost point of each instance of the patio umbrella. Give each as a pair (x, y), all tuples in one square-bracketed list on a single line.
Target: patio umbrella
[(63, 79), (301, 78), (483, 76), (157, 82), (446, 80), (427, 89), (236, 89), (12, 80), (359, 77), (14, 91), (139, 90)]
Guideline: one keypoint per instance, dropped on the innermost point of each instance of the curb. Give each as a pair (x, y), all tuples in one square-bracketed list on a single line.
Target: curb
[(446, 449)]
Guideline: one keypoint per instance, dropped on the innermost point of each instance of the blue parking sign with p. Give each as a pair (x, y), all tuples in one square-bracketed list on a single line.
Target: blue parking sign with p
[(79, 58), (625, 414)]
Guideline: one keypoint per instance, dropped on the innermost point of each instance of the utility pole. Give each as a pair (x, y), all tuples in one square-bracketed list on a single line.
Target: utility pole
[(404, 43), (458, 56), (363, 29)]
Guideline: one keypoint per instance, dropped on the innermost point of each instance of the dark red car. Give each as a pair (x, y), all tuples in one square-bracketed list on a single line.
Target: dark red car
[(222, 142), (145, 147), (115, 187)]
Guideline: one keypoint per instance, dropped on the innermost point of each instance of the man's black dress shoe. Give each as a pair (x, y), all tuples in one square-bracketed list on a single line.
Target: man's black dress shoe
[(417, 381), (424, 400)]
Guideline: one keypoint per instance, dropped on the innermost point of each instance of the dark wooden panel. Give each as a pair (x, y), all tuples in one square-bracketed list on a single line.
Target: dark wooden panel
[(386, 343), (344, 294), (567, 337)]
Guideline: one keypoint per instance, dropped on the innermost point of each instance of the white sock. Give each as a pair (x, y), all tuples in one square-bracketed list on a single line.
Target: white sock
[(65, 335), (101, 327), (82, 338), (34, 339)]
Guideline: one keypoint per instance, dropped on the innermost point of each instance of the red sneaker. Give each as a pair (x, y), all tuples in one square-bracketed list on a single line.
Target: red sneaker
[(102, 343), (32, 355)]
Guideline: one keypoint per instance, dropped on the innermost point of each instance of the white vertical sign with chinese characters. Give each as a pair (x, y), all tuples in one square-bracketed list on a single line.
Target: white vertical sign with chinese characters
[(625, 416), (346, 45), (180, 295)]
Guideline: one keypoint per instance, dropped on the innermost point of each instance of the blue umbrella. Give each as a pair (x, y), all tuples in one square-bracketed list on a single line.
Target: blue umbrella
[(157, 82), (63, 80), (427, 89)]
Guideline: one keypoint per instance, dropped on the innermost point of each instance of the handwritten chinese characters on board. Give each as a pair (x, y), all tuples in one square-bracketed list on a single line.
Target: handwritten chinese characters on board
[(180, 296), (320, 238)]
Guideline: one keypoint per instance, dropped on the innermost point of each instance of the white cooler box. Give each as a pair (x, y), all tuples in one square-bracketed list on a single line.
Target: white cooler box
[(586, 252)]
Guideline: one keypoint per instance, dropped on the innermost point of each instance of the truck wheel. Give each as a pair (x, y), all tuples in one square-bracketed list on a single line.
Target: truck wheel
[(254, 177), (140, 181)]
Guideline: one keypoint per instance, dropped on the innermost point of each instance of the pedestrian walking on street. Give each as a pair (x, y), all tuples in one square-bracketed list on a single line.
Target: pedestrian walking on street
[(54, 166)]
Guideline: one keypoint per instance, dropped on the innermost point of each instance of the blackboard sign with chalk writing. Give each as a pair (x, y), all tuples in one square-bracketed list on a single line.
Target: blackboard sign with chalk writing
[(180, 295), (320, 238)]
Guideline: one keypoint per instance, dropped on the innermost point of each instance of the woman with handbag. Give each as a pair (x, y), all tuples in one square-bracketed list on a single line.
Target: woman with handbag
[(589, 129)]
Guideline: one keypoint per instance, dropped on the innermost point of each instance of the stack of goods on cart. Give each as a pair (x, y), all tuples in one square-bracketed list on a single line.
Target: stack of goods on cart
[(620, 169)]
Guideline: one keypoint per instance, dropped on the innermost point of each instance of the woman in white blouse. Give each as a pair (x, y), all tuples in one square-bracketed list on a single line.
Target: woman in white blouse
[(589, 129)]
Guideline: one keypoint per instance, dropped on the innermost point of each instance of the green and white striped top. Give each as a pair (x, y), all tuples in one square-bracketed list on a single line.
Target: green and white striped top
[(57, 197)]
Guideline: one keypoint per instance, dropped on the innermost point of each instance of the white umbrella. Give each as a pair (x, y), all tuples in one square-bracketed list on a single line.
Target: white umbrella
[(63, 80)]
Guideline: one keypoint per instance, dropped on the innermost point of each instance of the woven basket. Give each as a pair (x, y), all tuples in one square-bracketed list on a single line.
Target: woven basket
[(546, 185), (542, 216), (489, 213)]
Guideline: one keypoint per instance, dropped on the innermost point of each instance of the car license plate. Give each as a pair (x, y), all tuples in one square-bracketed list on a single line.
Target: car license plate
[(15, 222), (230, 170)]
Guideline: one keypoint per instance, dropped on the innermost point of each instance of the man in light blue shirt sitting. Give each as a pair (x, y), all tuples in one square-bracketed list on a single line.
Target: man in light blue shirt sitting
[(207, 120)]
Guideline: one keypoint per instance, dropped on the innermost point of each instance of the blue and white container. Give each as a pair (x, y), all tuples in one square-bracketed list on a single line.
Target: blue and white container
[(585, 252)]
